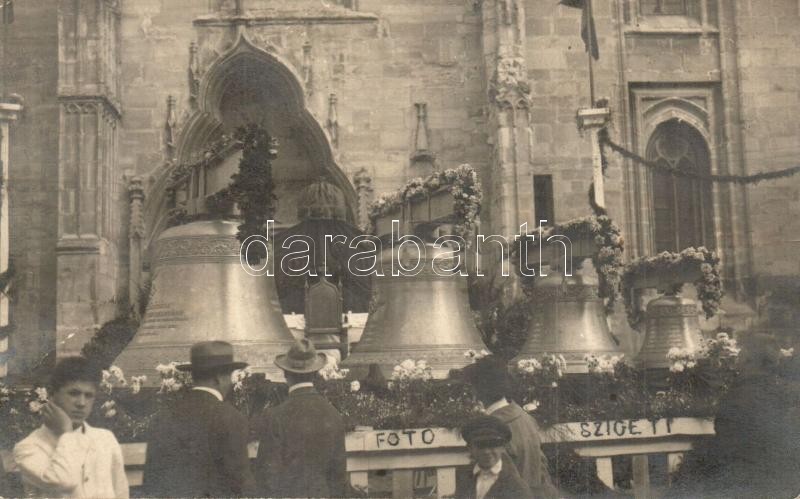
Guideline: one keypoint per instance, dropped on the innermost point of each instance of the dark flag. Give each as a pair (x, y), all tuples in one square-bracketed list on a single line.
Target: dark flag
[(8, 11), (588, 33)]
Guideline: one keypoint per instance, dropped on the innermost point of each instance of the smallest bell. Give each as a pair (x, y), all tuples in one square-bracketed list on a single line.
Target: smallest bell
[(671, 322)]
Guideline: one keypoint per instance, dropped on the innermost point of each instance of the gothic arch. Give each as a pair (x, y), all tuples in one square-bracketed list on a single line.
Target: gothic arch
[(230, 73)]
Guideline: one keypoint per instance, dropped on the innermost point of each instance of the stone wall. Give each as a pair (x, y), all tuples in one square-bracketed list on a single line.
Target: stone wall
[(768, 36), (31, 70)]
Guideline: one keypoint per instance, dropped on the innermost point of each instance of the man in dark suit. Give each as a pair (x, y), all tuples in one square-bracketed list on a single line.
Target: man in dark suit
[(494, 475), (198, 446), (301, 451), (489, 377)]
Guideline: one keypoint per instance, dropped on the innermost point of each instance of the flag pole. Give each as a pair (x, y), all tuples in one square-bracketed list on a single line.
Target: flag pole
[(590, 44)]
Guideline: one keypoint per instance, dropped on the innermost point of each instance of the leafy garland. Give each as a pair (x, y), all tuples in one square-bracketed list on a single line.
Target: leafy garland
[(607, 260), (605, 140), (212, 156), (669, 266), (251, 189), (463, 184)]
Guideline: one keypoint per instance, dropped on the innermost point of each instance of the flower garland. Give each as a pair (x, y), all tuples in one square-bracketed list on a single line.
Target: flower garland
[(211, 156), (462, 183), (668, 266), (252, 189), (607, 260)]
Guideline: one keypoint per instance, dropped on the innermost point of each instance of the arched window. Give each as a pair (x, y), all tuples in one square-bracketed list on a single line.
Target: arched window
[(682, 207)]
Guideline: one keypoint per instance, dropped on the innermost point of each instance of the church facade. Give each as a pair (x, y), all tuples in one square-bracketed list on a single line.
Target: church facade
[(368, 94)]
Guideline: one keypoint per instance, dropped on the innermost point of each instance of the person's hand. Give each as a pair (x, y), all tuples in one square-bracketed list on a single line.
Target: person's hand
[(56, 418)]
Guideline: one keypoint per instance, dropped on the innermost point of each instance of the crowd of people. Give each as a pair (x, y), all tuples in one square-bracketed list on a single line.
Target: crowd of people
[(198, 446)]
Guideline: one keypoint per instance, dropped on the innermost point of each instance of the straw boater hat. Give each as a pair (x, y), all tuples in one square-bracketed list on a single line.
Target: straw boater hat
[(211, 356), (302, 358)]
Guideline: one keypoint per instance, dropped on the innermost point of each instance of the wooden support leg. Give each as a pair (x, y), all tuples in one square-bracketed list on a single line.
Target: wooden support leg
[(403, 483), (641, 477), (445, 481), (360, 480), (605, 471), (674, 460)]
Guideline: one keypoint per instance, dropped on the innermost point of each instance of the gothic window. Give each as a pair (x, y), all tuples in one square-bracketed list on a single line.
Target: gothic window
[(686, 8), (682, 206)]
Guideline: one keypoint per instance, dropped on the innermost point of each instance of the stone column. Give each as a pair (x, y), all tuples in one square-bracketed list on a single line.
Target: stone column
[(9, 111), (509, 118), (88, 227), (363, 184), (135, 237)]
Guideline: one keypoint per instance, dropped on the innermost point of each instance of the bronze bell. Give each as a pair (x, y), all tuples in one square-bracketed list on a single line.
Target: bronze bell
[(424, 317), (568, 319), (199, 292), (671, 322)]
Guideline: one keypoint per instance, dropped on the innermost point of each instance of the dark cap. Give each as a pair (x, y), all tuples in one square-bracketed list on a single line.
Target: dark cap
[(486, 431)]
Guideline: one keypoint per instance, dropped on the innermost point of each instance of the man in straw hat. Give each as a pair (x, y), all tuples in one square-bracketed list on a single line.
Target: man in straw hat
[(301, 451), (198, 446)]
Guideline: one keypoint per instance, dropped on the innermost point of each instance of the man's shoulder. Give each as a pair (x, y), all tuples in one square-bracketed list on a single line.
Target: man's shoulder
[(41, 436), (101, 434)]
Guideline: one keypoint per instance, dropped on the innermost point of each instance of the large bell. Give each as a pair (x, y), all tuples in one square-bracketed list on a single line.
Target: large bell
[(672, 322), (199, 292), (568, 319), (424, 317)]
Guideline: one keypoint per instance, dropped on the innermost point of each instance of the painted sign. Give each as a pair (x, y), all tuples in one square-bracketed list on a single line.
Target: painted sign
[(408, 439), (624, 429)]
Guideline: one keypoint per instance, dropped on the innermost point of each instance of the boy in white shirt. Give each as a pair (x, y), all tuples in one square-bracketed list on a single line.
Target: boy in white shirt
[(66, 457)]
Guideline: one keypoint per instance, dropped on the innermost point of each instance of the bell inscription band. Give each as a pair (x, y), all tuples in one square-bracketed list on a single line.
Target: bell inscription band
[(568, 319), (671, 323), (201, 292), (422, 317)]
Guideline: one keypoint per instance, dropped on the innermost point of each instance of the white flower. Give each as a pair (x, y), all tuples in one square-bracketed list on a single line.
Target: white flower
[(554, 384), (116, 372), (109, 404), (355, 386), (531, 406), (106, 375), (787, 352), (41, 393), (111, 413), (35, 406), (677, 367), (136, 383), (408, 364)]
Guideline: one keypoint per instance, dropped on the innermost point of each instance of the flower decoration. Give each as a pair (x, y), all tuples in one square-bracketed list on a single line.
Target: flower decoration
[(669, 266), (531, 406), (331, 370), (239, 377), (412, 370), (607, 260), (603, 363), (462, 183), (475, 355), (109, 408)]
